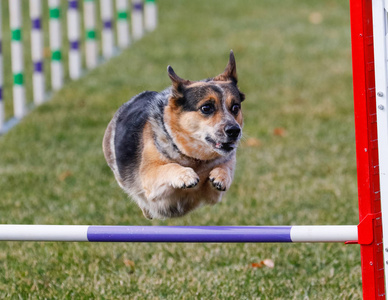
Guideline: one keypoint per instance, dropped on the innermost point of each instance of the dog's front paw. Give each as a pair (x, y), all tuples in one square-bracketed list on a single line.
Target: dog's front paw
[(220, 179), (147, 214), (185, 179)]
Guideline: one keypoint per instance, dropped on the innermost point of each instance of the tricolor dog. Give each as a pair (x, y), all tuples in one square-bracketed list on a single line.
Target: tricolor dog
[(175, 150)]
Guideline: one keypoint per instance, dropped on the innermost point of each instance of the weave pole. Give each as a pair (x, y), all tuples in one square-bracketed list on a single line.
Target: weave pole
[(123, 38), (180, 234), (37, 51), (150, 15), (73, 34), (120, 20), (55, 44), (91, 47), (17, 58), (137, 19), (107, 29)]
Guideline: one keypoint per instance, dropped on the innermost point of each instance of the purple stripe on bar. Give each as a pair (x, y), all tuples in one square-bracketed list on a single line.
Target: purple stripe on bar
[(73, 4), (108, 24), (35, 24), (38, 66), (74, 45), (138, 6), (1, 93), (190, 234)]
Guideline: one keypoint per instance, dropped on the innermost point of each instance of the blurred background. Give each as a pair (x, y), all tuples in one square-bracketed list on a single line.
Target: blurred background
[(296, 163)]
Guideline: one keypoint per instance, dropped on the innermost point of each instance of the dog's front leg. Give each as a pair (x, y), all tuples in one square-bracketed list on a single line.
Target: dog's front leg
[(221, 177), (159, 180), (158, 176)]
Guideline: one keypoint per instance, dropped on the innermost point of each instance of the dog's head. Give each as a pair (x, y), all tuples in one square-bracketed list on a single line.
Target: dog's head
[(204, 117)]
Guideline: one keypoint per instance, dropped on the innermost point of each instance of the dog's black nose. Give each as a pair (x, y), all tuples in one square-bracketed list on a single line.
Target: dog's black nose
[(232, 131)]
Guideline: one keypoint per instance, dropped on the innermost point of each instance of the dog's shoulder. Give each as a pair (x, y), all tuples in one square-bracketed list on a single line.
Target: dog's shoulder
[(130, 121)]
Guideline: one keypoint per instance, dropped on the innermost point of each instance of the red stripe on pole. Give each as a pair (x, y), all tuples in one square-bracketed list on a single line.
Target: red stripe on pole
[(372, 261)]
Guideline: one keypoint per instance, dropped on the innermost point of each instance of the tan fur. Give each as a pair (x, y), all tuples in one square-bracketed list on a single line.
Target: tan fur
[(183, 127), (179, 164), (164, 181)]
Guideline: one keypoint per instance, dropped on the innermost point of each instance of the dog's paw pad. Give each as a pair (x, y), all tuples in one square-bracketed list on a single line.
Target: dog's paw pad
[(220, 179), (186, 179)]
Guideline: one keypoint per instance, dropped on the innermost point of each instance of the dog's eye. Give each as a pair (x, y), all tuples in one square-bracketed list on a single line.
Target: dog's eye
[(207, 109), (235, 109)]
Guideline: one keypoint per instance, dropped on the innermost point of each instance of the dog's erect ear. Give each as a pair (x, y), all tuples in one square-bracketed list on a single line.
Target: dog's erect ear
[(230, 72), (178, 83)]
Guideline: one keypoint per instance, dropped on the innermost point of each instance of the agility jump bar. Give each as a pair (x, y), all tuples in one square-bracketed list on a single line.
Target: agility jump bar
[(179, 234)]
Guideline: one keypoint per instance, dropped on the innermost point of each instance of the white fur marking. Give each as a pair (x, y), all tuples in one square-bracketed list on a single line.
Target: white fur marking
[(112, 147)]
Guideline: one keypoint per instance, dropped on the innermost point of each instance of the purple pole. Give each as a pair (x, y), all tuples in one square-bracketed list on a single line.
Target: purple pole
[(180, 234), (190, 234)]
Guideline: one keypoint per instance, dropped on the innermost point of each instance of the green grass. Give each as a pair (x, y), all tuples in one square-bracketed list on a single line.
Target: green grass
[(296, 164)]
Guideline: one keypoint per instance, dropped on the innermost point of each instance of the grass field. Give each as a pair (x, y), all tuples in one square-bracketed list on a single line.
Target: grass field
[(296, 163)]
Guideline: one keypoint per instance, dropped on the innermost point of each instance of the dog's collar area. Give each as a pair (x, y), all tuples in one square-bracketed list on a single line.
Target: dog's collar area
[(176, 154), (168, 148)]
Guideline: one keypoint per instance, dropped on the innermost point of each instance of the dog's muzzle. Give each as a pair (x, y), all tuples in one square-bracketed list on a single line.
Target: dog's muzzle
[(232, 131)]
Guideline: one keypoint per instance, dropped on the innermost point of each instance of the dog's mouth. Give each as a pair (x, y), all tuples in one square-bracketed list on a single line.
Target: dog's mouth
[(219, 146)]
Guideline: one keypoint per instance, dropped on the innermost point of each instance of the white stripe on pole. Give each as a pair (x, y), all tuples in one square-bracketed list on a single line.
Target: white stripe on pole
[(380, 20), (91, 47), (2, 110), (327, 233), (137, 19), (150, 15), (55, 45), (37, 51), (123, 38), (107, 31), (73, 34), (17, 58), (65, 233)]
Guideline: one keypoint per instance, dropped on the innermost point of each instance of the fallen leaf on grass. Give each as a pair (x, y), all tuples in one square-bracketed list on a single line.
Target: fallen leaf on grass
[(253, 142), (279, 131), (64, 175), (130, 264), (269, 263)]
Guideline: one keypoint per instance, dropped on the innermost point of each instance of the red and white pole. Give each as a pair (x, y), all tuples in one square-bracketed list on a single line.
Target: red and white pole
[(370, 228)]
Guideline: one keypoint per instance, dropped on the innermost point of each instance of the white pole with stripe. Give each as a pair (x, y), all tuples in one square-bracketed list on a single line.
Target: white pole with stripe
[(19, 99), (73, 34), (181, 234), (2, 110), (150, 15), (37, 51), (107, 30), (55, 44), (137, 19), (91, 47), (123, 37)]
